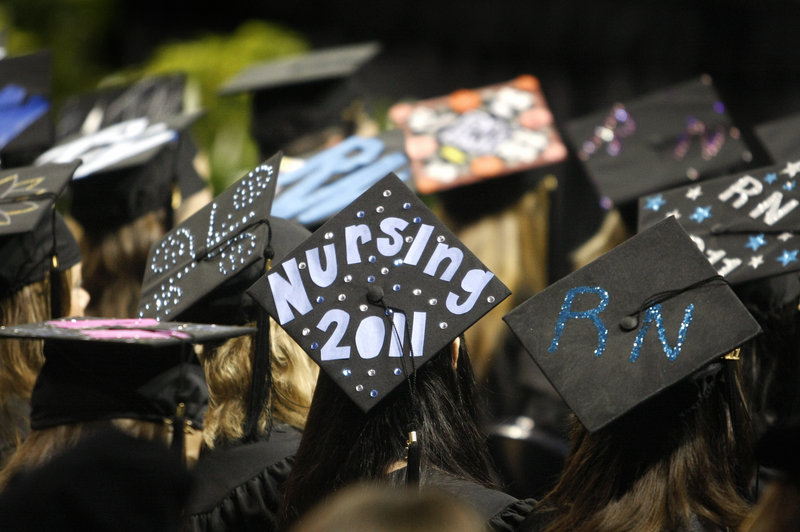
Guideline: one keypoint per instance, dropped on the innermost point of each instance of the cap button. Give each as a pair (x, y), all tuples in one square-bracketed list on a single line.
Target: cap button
[(629, 323), (375, 294)]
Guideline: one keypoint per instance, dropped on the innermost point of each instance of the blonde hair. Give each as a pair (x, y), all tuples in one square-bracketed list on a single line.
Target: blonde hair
[(777, 510), (514, 245), (21, 360), (114, 264), (43, 445), (612, 232), (228, 370)]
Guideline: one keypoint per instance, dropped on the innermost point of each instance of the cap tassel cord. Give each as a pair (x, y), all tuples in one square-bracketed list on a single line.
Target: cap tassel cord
[(55, 278)]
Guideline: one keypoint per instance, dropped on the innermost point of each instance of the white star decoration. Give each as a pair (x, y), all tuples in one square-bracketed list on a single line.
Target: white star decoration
[(694, 193), (792, 169), (756, 261), (783, 237)]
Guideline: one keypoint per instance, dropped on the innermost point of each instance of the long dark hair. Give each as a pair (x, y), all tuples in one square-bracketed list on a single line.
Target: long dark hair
[(341, 444), (657, 468)]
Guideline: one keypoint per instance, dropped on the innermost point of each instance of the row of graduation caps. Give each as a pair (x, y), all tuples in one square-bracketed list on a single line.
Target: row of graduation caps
[(745, 223)]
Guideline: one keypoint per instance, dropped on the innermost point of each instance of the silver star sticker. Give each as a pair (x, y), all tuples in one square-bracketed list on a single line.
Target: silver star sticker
[(792, 169), (756, 261), (783, 237), (694, 193)]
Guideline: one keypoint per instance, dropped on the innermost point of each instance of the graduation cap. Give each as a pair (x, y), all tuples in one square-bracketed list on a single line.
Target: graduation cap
[(471, 135), (127, 169), (631, 324), (100, 369), (781, 137), (300, 95), (331, 179), (665, 139), (34, 239), (376, 291), (747, 224), (25, 124), (218, 252), (153, 98)]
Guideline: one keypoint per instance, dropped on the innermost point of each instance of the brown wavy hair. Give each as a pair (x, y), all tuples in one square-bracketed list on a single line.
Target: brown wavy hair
[(21, 360), (228, 370), (114, 264), (655, 470), (43, 445)]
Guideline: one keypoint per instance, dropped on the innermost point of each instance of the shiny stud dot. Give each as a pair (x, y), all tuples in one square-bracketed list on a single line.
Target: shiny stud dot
[(416, 291), (371, 373), (398, 262), (409, 239), (328, 236), (373, 393), (387, 193), (372, 258), (398, 371), (341, 297), (417, 219), (302, 265), (348, 278), (432, 301), (396, 288), (320, 299), (406, 206), (363, 308), (384, 270), (389, 312), (306, 331), (359, 387), (440, 238), (490, 299), (443, 325), (346, 372), (360, 214), (314, 345), (371, 279), (379, 209)]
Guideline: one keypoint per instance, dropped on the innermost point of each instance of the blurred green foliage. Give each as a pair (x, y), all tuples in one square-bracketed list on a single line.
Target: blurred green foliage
[(78, 33)]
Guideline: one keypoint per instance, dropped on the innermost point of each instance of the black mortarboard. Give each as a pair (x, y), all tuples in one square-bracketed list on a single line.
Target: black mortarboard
[(98, 369), (154, 98), (300, 95), (127, 169), (222, 246), (33, 237), (26, 127), (631, 324), (471, 135), (781, 137), (379, 281), (665, 139), (331, 179), (747, 224)]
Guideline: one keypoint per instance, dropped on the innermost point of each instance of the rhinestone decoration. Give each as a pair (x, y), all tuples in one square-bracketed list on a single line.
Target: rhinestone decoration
[(387, 193), (359, 387), (346, 372), (371, 373)]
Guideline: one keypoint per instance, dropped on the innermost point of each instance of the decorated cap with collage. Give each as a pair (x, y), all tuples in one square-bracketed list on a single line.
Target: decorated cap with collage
[(98, 368), (25, 122), (631, 324), (214, 245), (471, 135), (747, 224), (127, 169), (33, 237), (677, 135), (330, 180), (376, 291)]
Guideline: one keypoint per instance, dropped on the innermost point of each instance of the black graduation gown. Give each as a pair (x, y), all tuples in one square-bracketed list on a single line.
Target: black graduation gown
[(501, 511), (240, 487)]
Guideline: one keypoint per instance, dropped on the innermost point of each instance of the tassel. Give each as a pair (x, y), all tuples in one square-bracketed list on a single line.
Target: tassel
[(55, 290), (178, 438), (412, 459), (261, 379)]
